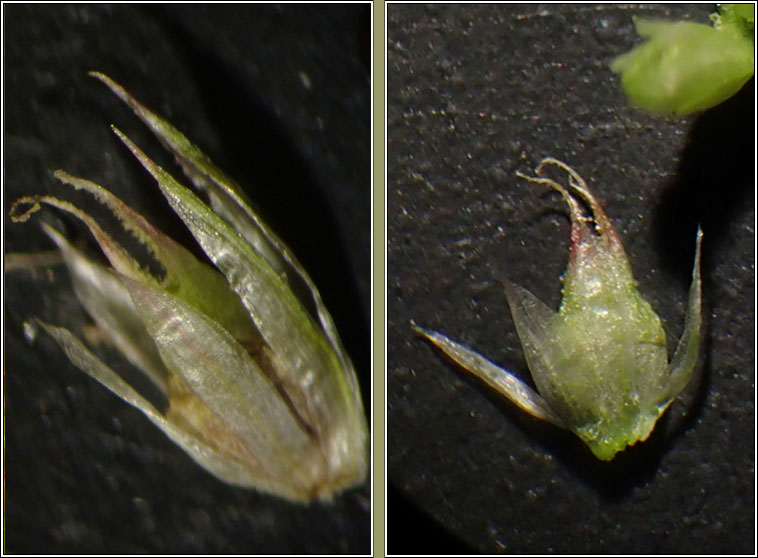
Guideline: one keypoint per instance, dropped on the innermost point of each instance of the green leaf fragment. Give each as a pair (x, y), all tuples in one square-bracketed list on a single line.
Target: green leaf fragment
[(683, 67), (738, 15), (599, 362)]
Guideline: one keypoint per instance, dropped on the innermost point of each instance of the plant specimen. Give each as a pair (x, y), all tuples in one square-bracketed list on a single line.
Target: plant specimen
[(260, 391), (600, 362), (683, 66)]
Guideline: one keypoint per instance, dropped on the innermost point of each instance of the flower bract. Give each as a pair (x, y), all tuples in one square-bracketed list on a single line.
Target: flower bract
[(259, 389)]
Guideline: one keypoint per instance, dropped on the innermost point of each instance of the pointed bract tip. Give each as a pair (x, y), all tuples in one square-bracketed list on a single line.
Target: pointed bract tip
[(61, 175), (119, 91), (112, 85), (121, 135), (418, 329), (131, 146), (698, 244)]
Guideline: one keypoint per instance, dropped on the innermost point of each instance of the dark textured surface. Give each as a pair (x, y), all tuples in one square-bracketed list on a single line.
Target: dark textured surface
[(476, 93), (279, 97)]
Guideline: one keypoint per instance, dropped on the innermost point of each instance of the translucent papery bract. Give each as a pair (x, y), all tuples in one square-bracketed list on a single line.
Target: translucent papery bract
[(211, 369), (218, 462), (108, 301)]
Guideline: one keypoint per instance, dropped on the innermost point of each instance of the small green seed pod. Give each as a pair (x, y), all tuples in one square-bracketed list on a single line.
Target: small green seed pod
[(599, 362)]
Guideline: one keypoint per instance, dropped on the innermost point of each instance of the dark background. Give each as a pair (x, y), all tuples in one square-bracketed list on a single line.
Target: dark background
[(279, 97), (476, 93)]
